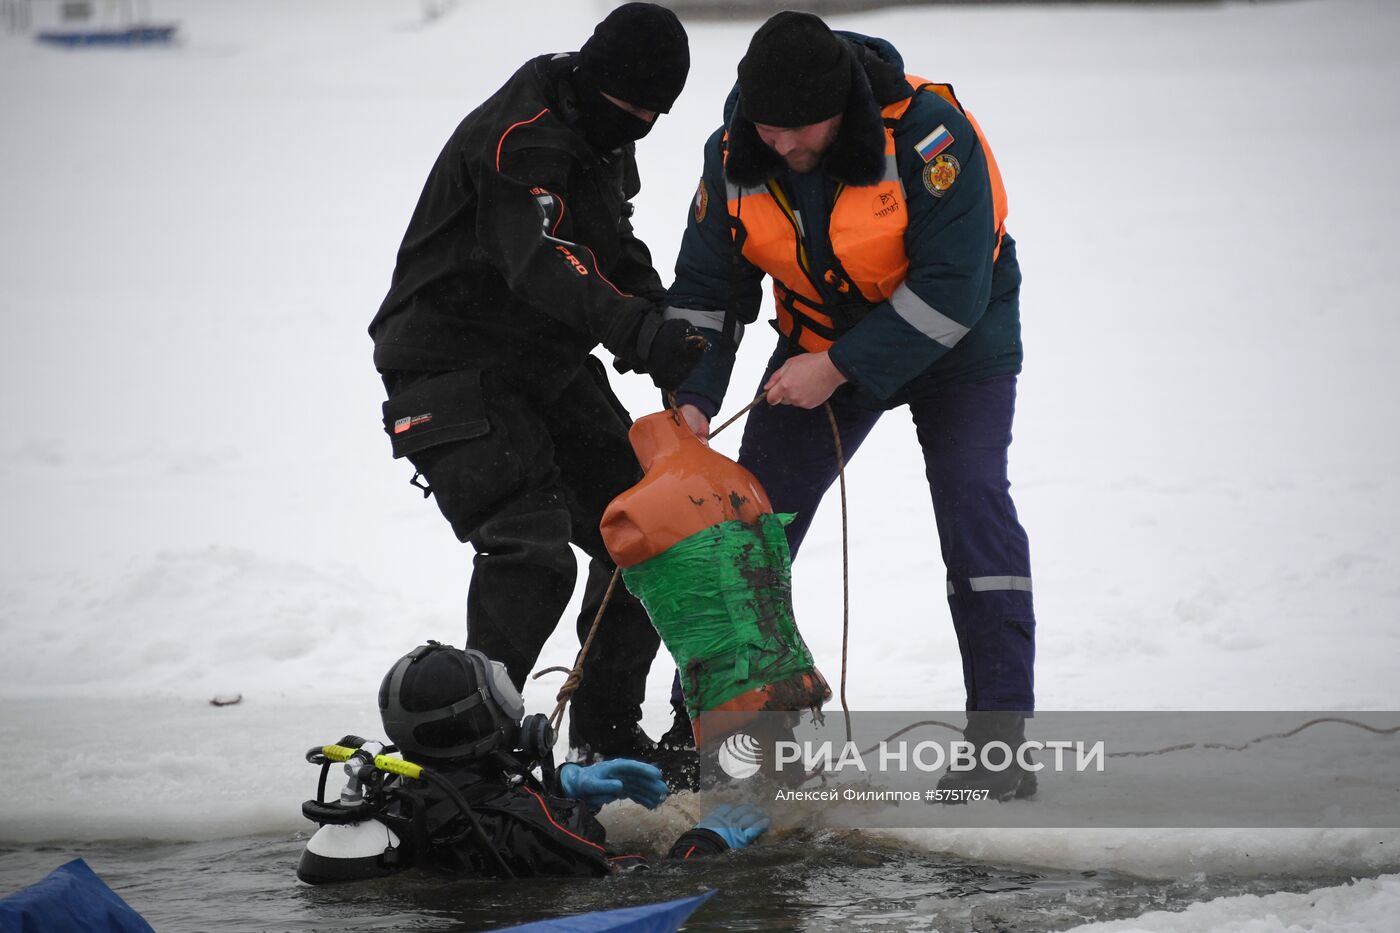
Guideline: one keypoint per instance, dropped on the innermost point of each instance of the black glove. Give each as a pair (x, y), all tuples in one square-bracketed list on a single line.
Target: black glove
[(671, 350)]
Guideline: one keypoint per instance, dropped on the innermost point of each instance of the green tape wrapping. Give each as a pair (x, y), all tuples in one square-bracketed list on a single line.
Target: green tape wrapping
[(722, 602)]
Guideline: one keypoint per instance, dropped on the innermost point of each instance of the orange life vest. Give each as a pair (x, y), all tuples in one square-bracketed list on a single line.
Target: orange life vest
[(866, 232)]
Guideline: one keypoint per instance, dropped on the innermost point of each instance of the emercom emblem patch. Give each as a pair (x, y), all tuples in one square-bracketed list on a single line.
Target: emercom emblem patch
[(940, 174)]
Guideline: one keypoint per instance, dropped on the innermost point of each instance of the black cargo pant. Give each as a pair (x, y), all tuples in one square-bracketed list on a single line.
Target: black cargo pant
[(520, 480)]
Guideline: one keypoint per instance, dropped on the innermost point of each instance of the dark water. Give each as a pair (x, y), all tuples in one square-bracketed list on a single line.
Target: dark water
[(817, 883)]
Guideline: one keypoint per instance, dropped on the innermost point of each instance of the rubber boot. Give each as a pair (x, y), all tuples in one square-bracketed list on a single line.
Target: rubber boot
[(1015, 781), (598, 741), (677, 758), (680, 735)]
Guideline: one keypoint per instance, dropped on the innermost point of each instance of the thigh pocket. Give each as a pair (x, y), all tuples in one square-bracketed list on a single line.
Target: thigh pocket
[(440, 409)]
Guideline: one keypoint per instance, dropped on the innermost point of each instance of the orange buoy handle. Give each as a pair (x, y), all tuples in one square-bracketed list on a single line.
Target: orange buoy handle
[(687, 488)]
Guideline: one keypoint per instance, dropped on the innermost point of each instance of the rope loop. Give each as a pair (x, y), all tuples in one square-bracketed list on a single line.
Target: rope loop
[(571, 683)]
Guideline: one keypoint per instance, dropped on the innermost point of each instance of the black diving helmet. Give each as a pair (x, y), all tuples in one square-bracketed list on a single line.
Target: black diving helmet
[(440, 702)]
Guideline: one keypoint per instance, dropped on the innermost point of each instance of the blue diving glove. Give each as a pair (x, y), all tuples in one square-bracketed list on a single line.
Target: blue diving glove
[(738, 825), (606, 781)]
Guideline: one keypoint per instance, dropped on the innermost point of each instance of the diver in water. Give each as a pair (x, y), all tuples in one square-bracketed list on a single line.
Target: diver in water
[(466, 800)]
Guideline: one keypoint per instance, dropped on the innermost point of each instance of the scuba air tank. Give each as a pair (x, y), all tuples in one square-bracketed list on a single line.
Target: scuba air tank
[(350, 845), (348, 852), (700, 546)]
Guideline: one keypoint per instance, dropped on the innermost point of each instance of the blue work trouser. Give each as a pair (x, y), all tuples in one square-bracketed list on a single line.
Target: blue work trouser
[(964, 431)]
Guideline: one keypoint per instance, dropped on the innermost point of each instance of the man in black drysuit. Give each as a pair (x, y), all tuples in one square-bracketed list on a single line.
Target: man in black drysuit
[(479, 809), (518, 261)]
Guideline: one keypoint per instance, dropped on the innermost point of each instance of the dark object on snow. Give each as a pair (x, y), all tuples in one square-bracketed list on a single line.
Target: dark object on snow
[(70, 899), (125, 36), (226, 700)]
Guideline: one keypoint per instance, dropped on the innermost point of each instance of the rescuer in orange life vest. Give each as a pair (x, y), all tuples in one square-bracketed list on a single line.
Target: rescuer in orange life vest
[(873, 202)]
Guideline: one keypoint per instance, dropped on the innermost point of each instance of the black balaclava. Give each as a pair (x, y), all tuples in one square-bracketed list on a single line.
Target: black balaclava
[(605, 125), (796, 72), (638, 54)]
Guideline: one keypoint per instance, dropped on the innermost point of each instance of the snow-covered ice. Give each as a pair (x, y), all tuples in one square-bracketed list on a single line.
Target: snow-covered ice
[(1368, 904), (198, 499)]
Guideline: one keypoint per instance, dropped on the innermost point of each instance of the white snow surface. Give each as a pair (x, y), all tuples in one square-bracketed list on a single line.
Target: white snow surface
[(1374, 902), (198, 499)]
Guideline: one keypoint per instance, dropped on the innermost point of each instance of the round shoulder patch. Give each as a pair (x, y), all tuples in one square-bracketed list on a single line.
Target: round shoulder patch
[(940, 174), (702, 202)]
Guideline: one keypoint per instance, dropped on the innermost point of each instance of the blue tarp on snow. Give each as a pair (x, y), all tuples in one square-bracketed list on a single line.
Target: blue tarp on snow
[(70, 899), (650, 918)]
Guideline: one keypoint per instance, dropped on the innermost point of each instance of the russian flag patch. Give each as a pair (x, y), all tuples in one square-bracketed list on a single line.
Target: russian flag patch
[(934, 143)]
